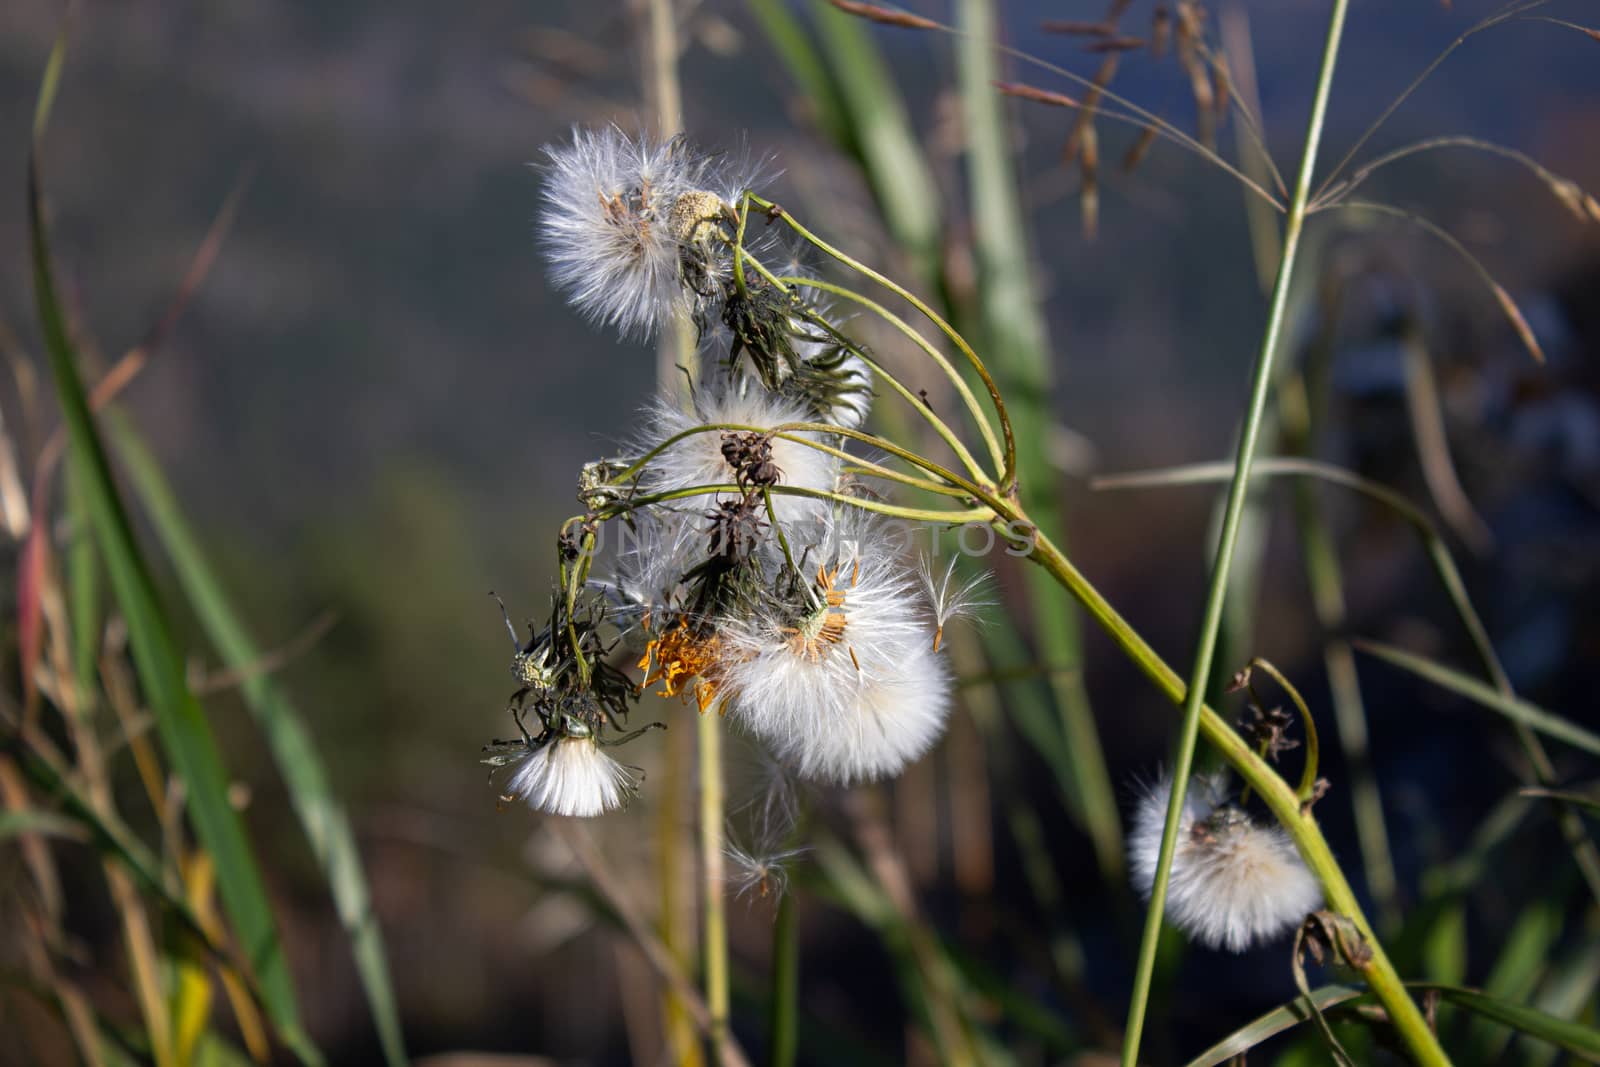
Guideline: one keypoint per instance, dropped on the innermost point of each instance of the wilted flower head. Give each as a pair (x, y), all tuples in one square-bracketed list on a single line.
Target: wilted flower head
[(629, 226), (700, 458), (1235, 882), (841, 681), (572, 775)]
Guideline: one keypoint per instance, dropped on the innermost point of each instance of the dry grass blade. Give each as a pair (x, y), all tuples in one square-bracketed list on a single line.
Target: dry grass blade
[(1160, 31), (1511, 11), (269, 662), (1426, 411), (1571, 195), (884, 15), (1221, 85), (1038, 96), (1138, 150), (1593, 35), (1133, 114), (1076, 28), (1114, 44), (1513, 313), (1589, 801), (1091, 102), (1089, 195)]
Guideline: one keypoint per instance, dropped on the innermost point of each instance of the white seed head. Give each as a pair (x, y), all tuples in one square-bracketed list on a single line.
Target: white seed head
[(572, 776), (1235, 882), (619, 212), (849, 690), (698, 460)]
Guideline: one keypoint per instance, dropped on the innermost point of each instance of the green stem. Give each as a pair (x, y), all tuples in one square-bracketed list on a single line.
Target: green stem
[(894, 511), (921, 405), (1274, 792), (716, 923), (1407, 1019), (784, 1030), (783, 542), (788, 429), (1009, 458)]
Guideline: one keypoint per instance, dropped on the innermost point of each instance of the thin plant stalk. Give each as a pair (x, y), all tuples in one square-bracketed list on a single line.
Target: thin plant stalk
[(1212, 618), (784, 1031), (677, 349), (715, 917)]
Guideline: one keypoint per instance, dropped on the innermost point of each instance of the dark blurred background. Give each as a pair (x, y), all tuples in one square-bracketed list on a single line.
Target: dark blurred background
[(376, 406)]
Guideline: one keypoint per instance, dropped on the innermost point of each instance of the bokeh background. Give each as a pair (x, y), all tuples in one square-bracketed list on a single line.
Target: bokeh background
[(376, 407)]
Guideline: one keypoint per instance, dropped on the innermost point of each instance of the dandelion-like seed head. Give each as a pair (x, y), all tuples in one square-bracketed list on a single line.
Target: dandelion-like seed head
[(1235, 882), (841, 681), (630, 227), (570, 774)]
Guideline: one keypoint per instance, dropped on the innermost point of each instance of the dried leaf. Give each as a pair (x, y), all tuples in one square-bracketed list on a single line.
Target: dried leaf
[(1041, 96), (886, 16), (1076, 27)]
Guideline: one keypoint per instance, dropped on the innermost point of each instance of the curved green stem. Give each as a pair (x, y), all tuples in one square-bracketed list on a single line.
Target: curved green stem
[(1009, 473), (738, 244), (960, 383), (895, 511), (787, 283), (788, 430), (783, 543)]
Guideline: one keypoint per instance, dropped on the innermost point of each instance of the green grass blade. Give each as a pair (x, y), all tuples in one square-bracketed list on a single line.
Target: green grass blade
[(1274, 1022), (1568, 993), (45, 823), (1576, 1038), (1018, 348), (884, 138), (184, 730), (1514, 708), (1569, 1036), (323, 818), (1528, 951), (800, 58)]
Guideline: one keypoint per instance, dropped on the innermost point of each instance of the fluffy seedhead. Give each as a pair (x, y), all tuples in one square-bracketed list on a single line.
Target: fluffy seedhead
[(635, 228), (1235, 882)]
